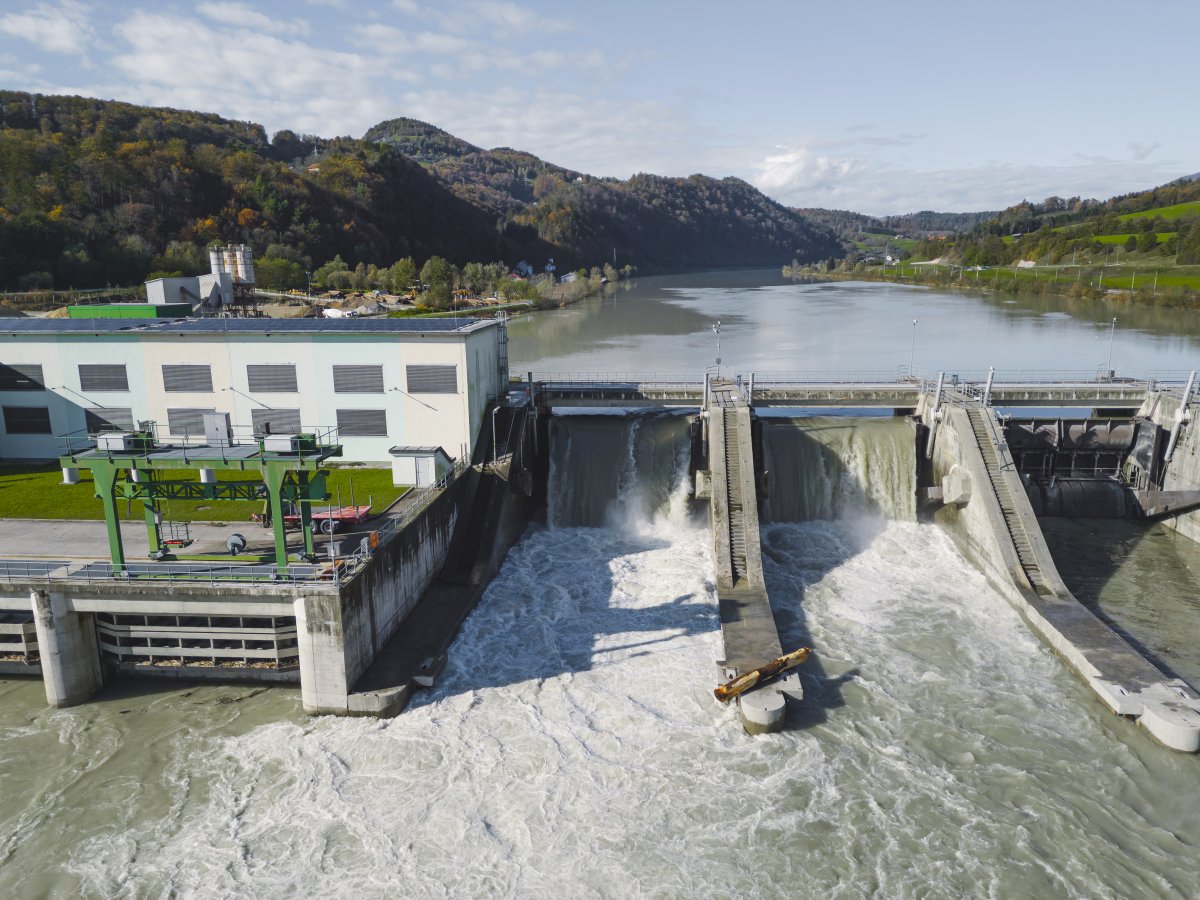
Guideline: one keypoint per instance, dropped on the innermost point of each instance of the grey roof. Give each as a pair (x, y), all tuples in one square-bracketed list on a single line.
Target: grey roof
[(241, 326)]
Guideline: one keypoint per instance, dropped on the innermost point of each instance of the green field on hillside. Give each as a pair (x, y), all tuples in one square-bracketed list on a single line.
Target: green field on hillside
[(1122, 238), (1169, 213), (37, 492)]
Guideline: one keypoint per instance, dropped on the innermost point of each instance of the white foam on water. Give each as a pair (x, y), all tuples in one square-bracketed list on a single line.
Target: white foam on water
[(572, 748)]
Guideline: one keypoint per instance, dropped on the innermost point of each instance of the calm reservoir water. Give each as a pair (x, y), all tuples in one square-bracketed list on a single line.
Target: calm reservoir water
[(572, 747), (771, 324)]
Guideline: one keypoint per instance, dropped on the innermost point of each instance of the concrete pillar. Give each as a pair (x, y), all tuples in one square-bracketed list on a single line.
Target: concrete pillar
[(70, 475), (67, 648), (323, 681)]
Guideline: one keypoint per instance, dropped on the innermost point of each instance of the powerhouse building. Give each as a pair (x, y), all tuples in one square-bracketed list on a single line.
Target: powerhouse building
[(385, 385)]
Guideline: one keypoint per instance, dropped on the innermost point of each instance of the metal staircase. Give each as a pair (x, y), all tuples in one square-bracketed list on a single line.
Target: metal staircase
[(1016, 529), (733, 494)]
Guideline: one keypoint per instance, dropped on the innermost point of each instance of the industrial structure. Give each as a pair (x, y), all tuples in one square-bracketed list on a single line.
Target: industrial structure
[(228, 289), (380, 385)]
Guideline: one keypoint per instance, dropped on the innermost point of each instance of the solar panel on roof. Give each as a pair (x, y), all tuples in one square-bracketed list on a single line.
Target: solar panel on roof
[(240, 326)]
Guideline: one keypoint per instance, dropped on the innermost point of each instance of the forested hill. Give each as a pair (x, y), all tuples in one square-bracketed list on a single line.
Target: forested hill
[(849, 226), (95, 192), (652, 222)]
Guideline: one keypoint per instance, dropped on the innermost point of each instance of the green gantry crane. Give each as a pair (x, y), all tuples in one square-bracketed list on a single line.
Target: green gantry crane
[(131, 466)]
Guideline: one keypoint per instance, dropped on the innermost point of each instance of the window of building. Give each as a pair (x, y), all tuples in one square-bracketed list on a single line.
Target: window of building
[(432, 379), (184, 422), (362, 422), (358, 379), (27, 420), (187, 379), (21, 377), (272, 379), (103, 377), (101, 419), (276, 421)]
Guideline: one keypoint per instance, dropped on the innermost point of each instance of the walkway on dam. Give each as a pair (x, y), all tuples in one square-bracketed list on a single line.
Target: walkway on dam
[(747, 623)]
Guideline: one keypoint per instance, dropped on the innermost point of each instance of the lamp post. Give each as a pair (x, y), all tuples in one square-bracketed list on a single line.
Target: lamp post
[(717, 331), (912, 349), (1111, 333)]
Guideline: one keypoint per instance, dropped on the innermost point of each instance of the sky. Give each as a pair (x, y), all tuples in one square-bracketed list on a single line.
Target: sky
[(877, 107)]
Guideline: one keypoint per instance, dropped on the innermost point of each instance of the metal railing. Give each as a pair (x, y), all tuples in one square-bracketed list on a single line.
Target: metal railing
[(577, 379), (211, 574), (900, 376), (81, 440), (395, 520)]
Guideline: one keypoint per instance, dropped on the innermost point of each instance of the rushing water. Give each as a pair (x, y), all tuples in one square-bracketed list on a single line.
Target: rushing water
[(572, 747)]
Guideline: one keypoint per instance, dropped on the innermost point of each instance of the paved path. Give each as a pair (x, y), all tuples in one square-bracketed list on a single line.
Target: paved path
[(88, 539)]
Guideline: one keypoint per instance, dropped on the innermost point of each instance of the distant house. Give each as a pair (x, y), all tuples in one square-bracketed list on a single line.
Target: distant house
[(523, 268), (570, 278)]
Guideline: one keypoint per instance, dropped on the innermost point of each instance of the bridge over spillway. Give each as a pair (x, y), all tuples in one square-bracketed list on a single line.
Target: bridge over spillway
[(853, 390), (973, 483)]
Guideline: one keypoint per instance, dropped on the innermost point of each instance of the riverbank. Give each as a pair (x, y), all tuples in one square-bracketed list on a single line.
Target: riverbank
[(1170, 288)]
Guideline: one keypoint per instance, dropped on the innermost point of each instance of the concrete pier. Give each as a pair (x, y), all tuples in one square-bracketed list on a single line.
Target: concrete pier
[(67, 648), (748, 628)]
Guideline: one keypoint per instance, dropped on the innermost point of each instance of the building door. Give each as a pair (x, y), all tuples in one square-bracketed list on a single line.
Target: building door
[(425, 471)]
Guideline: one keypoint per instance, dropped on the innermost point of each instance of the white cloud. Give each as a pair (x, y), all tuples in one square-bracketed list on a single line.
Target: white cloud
[(242, 16), (259, 77), (600, 136), (61, 28), (513, 18), (800, 176), (389, 39)]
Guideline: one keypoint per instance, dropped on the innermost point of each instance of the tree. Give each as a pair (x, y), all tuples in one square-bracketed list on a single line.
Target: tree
[(1147, 242), (279, 275), (439, 275), (335, 266), (401, 275), (1131, 243)]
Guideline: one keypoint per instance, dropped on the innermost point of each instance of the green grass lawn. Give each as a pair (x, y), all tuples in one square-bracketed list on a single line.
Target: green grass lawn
[(1170, 213), (37, 492)]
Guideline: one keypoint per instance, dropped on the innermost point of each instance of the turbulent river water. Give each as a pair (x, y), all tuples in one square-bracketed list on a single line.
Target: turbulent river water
[(572, 747)]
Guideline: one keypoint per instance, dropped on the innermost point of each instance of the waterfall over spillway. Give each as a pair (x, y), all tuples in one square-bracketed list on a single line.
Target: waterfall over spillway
[(831, 468), (609, 470)]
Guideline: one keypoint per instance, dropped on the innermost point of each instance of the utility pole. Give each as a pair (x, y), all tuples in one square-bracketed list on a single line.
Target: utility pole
[(912, 348)]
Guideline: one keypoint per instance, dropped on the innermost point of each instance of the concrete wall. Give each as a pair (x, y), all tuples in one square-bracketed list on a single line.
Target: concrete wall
[(340, 636), (1183, 472)]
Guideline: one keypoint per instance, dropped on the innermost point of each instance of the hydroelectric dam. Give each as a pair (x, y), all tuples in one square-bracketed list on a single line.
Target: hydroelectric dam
[(981, 454)]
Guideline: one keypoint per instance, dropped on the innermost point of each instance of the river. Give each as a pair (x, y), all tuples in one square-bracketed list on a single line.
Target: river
[(572, 747)]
